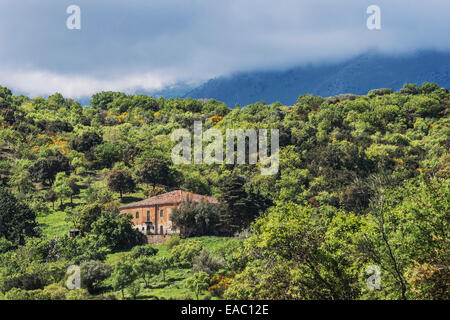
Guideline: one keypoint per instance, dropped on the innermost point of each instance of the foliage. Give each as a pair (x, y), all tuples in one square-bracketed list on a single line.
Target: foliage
[(196, 219), (207, 263), (123, 276), (143, 251), (93, 272), (185, 252), (17, 220), (120, 181), (198, 282), (115, 232)]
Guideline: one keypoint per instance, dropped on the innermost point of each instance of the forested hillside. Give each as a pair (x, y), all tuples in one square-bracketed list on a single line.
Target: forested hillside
[(363, 182)]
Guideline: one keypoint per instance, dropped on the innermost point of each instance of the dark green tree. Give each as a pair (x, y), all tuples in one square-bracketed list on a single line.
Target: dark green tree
[(93, 273), (120, 181), (17, 220)]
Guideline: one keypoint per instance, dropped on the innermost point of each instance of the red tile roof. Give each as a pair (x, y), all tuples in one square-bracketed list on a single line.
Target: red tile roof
[(173, 197)]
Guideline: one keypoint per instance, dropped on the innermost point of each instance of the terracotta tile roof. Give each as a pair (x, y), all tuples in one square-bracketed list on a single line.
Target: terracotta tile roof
[(173, 197)]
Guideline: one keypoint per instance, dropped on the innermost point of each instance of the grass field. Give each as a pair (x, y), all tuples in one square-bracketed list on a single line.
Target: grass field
[(173, 287)]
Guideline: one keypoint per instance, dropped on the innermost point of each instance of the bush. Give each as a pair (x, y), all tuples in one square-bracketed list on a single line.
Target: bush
[(185, 252), (143, 251), (93, 273), (5, 245), (134, 289), (17, 294), (77, 294), (207, 263), (55, 292), (174, 240)]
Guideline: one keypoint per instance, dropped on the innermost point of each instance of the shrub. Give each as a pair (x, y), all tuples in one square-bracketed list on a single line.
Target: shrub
[(174, 240), (207, 263), (143, 251), (185, 252), (93, 273), (77, 294)]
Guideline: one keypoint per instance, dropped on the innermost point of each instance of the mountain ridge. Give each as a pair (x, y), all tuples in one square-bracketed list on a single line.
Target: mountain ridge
[(357, 75)]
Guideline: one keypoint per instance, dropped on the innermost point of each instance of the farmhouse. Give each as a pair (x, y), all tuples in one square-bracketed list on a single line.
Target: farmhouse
[(153, 215)]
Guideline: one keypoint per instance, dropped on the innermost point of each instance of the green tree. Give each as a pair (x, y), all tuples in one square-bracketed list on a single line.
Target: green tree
[(107, 154), (155, 171), (61, 186), (123, 276), (186, 251), (116, 231), (301, 253), (198, 282), (45, 170), (120, 181), (196, 219), (51, 196), (93, 273), (207, 263), (134, 289), (166, 263), (17, 220), (145, 268), (102, 100)]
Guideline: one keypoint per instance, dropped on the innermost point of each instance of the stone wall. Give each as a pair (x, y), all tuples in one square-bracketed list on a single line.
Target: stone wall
[(157, 238)]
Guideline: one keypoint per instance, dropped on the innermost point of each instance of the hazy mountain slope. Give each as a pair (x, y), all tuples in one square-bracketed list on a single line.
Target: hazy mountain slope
[(358, 75)]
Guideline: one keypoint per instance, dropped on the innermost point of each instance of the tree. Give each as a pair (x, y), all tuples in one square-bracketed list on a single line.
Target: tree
[(5, 94), (134, 289), (143, 251), (86, 217), (17, 220), (298, 252), (51, 196), (86, 142), (116, 231), (120, 181), (198, 283), (145, 268), (239, 207), (72, 183), (93, 273), (45, 170), (408, 238), (123, 275), (107, 154), (61, 186), (165, 263), (155, 171), (186, 251), (101, 100), (196, 219)]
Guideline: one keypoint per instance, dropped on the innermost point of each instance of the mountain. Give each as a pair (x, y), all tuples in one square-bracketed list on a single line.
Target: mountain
[(357, 75)]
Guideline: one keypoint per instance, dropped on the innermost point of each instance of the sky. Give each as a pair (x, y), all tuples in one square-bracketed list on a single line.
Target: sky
[(135, 45)]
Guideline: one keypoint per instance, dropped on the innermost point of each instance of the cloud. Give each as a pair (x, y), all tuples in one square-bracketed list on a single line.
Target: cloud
[(146, 45), (37, 83)]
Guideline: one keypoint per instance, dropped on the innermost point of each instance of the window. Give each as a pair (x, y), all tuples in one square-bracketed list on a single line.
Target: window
[(148, 215), (161, 213), (137, 215)]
